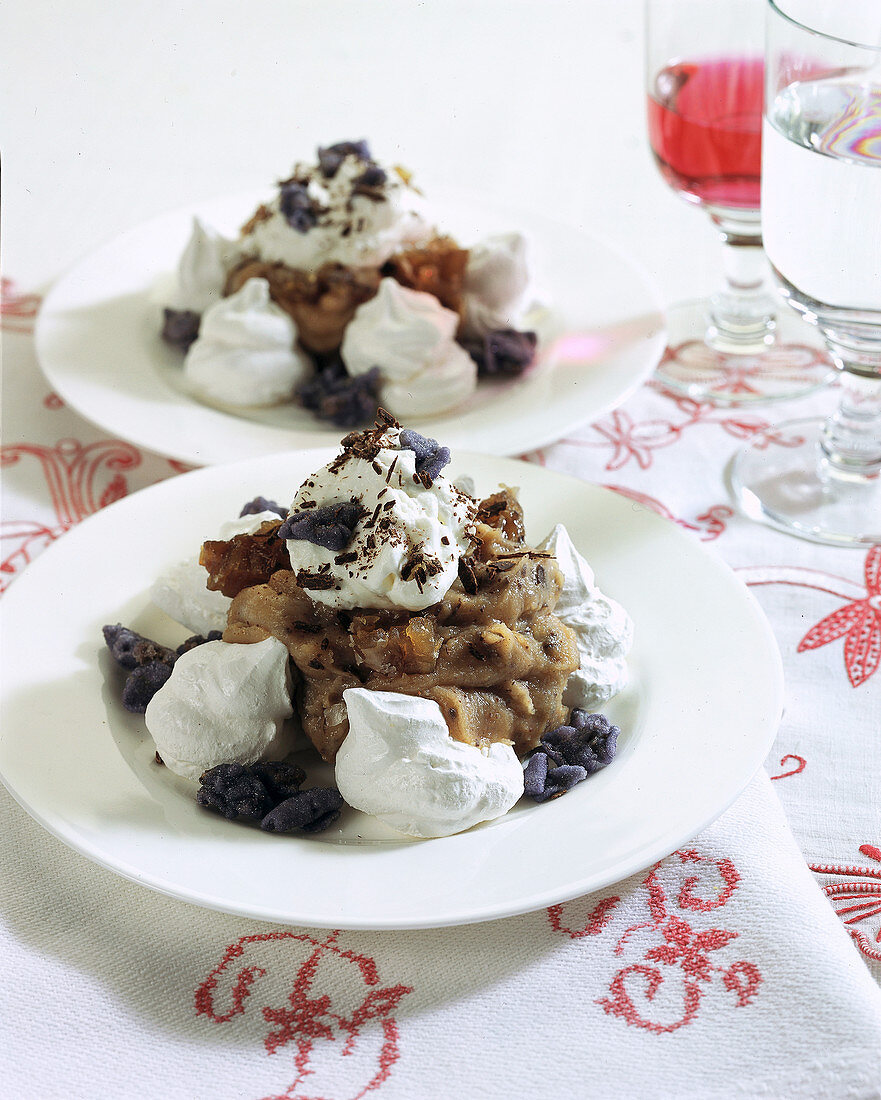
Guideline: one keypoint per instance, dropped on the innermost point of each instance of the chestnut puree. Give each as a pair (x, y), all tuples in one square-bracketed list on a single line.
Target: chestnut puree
[(492, 654)]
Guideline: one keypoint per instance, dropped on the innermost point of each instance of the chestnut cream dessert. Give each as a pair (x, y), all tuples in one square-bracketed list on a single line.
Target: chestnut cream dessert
[(425, 645), (342, 294)]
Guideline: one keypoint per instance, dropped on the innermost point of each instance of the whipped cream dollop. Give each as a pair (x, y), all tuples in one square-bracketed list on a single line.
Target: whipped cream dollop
[(404, 550), (180, 590), (496, 278), (400, 764), (603, 629), (202, 268), (360, 220), (410, 336), (246, 352), (223, 702)]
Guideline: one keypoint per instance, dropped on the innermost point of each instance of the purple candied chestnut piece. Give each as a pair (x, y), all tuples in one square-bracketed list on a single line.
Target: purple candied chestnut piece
[(430, 456), (332, 526), (541, 782), (261, 504), (198, 639), (311, 811), (505, 351), (281, 780), (589, 740), (180, 327), (132, 650), (330, 157), (372, 176), (345, 401), (297, 206), (235, 791), (142, 683)]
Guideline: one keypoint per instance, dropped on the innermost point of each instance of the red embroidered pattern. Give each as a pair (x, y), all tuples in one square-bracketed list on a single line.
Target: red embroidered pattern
[(637, 440), (308, 1022), (709, 525), (78, 486), (789, 363), (858, 621), (864, 893), (17, 311), (684, 952), (800, 765)]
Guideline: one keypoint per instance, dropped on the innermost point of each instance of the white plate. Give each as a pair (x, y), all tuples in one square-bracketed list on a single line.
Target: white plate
[(98, 343), (697, 720)]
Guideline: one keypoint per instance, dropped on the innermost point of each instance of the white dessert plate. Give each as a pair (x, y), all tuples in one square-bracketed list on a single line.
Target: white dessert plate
[(697, 720), (98, 343)]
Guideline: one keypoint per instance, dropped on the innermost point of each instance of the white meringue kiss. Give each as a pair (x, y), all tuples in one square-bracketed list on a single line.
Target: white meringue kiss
[(180, 589), (603, 629), (400, 764), (223, 702), (496, 278), (201, 272), (434, 518), (410, 336), (246, 353)]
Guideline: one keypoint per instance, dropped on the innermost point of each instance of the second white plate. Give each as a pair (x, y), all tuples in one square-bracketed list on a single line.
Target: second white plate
[(98, 343), (697, 720)]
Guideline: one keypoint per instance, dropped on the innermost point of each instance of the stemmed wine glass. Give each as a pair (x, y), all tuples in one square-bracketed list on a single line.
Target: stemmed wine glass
[(821, 203), (704, 75)]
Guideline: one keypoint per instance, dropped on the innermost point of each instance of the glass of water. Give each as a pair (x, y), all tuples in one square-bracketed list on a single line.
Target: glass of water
[(821, 217)]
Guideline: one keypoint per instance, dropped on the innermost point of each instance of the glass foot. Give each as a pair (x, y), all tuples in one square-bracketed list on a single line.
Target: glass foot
[(783, 479), (796, 362)]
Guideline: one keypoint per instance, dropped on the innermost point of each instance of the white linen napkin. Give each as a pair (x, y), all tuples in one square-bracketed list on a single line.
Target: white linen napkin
[(722, 972)]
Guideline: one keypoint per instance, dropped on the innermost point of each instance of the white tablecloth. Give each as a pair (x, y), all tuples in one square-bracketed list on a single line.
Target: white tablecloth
[(747, 963)]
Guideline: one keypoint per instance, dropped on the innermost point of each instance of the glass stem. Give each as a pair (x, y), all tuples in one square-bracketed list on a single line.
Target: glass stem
[(851, 439), (742, 312)]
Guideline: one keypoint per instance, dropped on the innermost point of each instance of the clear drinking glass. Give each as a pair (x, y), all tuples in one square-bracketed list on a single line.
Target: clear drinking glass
[(821, 209), (704, 82)]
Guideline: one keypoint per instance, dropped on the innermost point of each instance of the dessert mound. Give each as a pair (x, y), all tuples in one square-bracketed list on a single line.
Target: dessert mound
[(491, 653)]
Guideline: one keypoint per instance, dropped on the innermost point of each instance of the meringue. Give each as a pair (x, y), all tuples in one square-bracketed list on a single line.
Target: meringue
[(410, 518), (410, 336), (353, 229), (202, 269), (246, 351), (496, 278), (400, 764), (603, 629), (180, 589), (223, 702)]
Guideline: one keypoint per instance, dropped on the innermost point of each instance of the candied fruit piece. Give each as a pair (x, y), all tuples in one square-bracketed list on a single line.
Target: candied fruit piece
[(131, 649), (244, 560), (505, 352), (330, 157), (261, 504), (589, 740), (234, 790), (437, 267), (297, 206)]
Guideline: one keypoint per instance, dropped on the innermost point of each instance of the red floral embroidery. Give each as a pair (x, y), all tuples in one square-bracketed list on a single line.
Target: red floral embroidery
[(859, 622), (75, 478), (709, 525), (684, 955), (865, 894), (310, 1023), (53, 401), (638, 440), (786, 364), (17, 311), (800, 765)]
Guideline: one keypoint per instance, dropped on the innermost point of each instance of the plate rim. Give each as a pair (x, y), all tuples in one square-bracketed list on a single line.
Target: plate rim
[(664, 844)]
